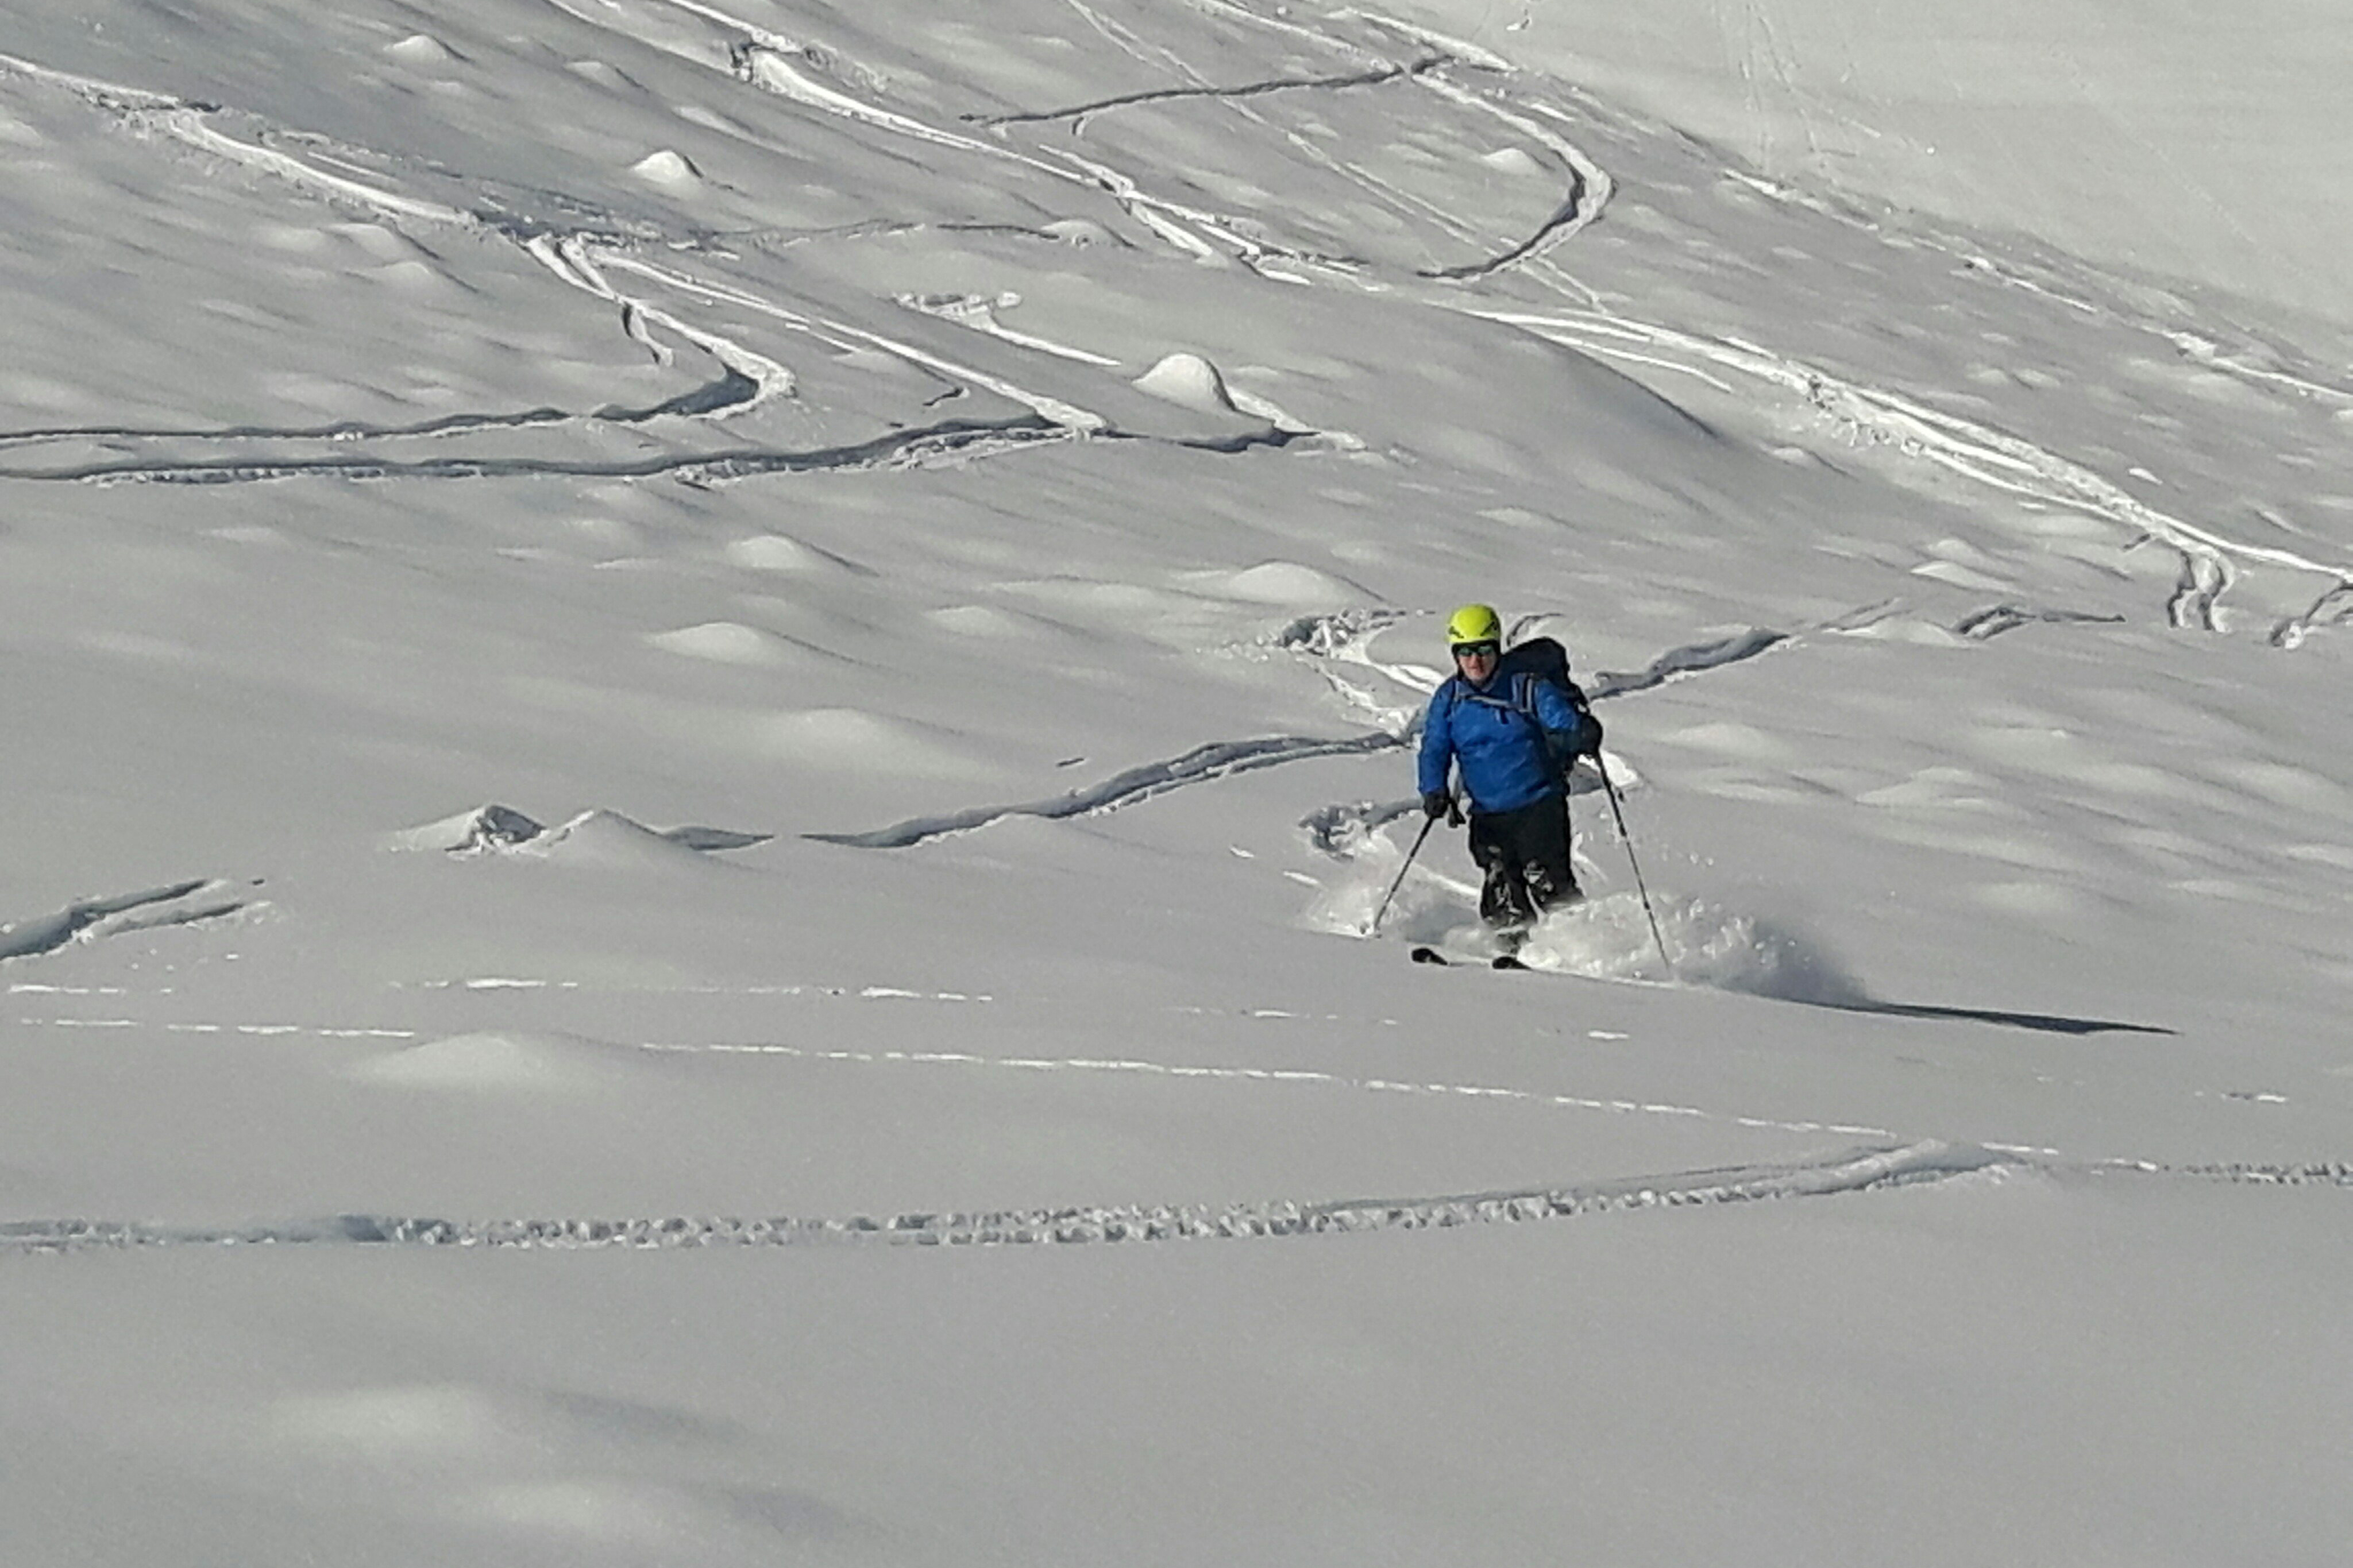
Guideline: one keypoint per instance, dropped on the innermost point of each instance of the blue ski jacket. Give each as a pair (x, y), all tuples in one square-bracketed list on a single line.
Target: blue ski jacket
[(1512, 742)]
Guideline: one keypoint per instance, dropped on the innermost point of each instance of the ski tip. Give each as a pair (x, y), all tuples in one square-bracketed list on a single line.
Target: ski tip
[(1506, 961), (1427, 955)]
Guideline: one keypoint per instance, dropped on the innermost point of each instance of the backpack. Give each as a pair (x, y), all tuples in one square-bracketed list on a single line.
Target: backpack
[(1543, 660)]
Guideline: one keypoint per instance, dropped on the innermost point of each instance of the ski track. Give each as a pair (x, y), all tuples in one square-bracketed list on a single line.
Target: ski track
[(751, 378), (1379, 76), (1589, 188), (578, 260), (776, 64), (1867, 1170), (1970, 260), (2330, 608), (1876, 417), (1218, 760), (952, 441), (1249, 252), (1224, 759), (574, 262), (979, 314), (1695, 658), (86, 919), (2210, 564), (1983, 625)]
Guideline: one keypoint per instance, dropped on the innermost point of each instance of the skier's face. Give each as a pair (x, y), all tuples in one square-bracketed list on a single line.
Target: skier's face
[(1477, 661)]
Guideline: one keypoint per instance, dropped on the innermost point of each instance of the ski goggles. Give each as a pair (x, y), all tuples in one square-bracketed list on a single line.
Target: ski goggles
[(1478, 650)]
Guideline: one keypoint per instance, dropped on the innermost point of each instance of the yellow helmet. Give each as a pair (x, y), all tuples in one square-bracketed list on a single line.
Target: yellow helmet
[(1473, 623)]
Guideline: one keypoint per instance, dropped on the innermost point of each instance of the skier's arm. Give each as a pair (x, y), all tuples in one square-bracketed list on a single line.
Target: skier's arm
[(1570, 729), (1437, 746)]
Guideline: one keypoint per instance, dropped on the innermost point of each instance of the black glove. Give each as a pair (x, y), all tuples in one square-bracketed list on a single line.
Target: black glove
[(1437, 803)]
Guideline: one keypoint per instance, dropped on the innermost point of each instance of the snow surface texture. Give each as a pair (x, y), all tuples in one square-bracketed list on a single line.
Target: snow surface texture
[(994, 477)]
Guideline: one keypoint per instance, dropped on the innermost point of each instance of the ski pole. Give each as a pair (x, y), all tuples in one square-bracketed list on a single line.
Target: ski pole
[(1427, 824), (1627, 841)]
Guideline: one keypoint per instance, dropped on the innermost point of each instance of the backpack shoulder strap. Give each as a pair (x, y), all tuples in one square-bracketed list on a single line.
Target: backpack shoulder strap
[(1524, 693)]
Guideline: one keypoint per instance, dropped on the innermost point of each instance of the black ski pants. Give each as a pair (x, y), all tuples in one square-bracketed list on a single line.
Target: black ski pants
[(1524, 854)]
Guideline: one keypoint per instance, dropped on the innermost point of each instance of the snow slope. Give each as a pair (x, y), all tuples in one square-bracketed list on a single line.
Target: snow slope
[(2198, 146), (710, 699)]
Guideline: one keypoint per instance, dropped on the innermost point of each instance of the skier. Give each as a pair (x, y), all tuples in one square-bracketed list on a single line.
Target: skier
[(1514, 741)]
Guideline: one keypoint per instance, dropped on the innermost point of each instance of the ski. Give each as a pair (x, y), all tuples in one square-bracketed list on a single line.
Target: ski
[(1503, 961)]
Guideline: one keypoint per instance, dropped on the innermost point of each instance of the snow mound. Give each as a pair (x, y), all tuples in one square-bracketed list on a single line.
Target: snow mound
[(778, 552), (1516, 162), (413, 276), (495, 1062), (608, 840), (376, 240), (601, 837), (726, 642), (422, 49), (471, 832), (1190, 382), (1287, 584), (670, 170)]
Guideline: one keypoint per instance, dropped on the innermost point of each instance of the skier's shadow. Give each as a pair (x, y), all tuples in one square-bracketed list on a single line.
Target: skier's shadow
[(2044, 1023)]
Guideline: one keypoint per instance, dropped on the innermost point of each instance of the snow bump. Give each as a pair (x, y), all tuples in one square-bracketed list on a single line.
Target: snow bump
[(1190, 382), (1513, 160), (495, 1062), (779, 552), (608, 839), (727, 642), (1288, 583), (670, 170), (423, 49), (491, 826)]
